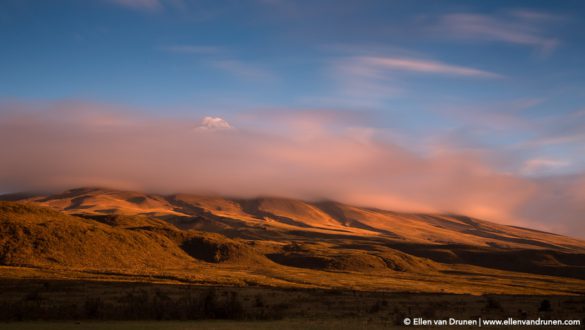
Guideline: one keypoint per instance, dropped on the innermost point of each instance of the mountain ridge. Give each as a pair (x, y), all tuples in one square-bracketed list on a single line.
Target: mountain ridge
[(284, 214), (282, 242)]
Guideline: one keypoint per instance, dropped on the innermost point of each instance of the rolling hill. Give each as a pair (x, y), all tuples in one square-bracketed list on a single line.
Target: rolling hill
[(278, 242)]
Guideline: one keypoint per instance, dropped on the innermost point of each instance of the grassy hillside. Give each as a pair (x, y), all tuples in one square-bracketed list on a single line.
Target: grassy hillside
[(38, 236), (274, 218), (43, 243), (32, 235)]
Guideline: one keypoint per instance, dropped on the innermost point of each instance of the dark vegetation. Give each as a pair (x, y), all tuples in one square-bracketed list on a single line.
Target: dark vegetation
[(139, 304), (29, 300)]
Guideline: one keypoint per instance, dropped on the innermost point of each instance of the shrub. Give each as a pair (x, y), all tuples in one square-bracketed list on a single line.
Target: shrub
[(545, 306)]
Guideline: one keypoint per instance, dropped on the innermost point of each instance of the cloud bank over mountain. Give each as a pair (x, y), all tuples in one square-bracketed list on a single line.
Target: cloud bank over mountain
[(305, 154)]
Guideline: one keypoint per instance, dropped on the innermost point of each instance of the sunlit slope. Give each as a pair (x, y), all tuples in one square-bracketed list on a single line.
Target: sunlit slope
[(104, 201), (37, 236), (293, 244), (31, 235), (41, 237), (277, 217)]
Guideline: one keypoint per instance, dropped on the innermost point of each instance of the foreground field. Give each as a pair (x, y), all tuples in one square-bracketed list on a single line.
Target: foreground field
[(197, 325), (33, 300)]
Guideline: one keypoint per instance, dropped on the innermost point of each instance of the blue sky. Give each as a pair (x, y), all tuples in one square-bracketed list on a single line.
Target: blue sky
[(232, 55), (501, 79), (224, 57), (283, 53)]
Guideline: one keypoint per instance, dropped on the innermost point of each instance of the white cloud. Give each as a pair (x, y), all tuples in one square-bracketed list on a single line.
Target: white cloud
[(539, 166), (213, 123)]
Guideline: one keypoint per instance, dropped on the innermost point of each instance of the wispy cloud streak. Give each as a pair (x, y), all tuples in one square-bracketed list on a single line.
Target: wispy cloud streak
[(369, 80), (519, 27), (423, 66)]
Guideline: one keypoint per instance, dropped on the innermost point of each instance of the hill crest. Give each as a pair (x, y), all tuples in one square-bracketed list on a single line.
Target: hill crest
[(255, 217)]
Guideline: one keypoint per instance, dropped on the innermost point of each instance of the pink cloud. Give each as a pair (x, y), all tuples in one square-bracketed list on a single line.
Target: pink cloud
[(315, 157)]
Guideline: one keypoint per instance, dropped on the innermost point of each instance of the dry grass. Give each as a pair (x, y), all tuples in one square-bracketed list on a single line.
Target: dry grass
[(38, 242), (82, 300)]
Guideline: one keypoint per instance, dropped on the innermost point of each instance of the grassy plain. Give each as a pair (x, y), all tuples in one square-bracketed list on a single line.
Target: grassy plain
[(264, 307)]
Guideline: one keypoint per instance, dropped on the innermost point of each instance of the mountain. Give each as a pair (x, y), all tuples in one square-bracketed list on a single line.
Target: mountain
[(266, 217), (280, 242)]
